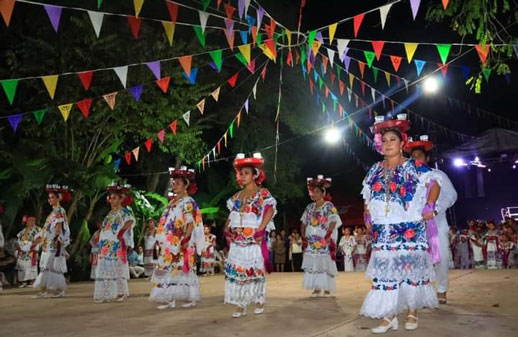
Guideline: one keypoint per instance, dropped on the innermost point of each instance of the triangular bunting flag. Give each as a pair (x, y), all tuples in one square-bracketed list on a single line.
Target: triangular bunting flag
[(148, 143), (331, 56), (201, 105), (357, 21), (6, 9), (155, 68), (217, 58), (54, 13), (341, 45), (487, 73), (122, 73), (466, 70), (444, 51), (445, 3), (361, 66), (160, 135), (173, 10), (347, 61), (251, 66), (246, 106), (127, 156), (230, 35), (205, 4), (332, 31), (136, 91), (311, 37), (288, 36), (232, 81), (96, 18), (244, 36), (187, 117), (245, 51), (200, 35), (254, 90), (362, 86), (443, 68), (14, 120), (375, 74), (138, 6), (410, 49), (231, 130), (373, 94), (396, 61), (243, 7), (215, 94), (110, 99), (383, 14), (378, 47), (134, 24), (84, 106), (50, 82), (341, 86), (9, 89), (86, 78), (65, 110), (185, 62), (135, 152), (369, 57), (173, 126), (169, 28), (204, 16), (263, 73), (39, 114), (238, 118), (387, 77), (163, 83), (260, 14), (483, 52), (414, 4), (351, 80), (230, 11), (419, 64), (192, 78)]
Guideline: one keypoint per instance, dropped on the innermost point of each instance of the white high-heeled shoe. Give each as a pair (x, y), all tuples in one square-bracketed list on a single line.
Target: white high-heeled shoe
[(316, 293), (40, 295), (121, 298), (167, 305), (189, 304), (393, 325), (239, 314), (411, 326), (60, 294), (259, 311)]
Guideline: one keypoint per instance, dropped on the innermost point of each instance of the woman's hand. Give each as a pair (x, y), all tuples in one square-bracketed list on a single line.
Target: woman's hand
[(428, 216)]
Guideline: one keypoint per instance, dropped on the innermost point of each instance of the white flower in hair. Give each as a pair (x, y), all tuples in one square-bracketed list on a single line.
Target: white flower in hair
[(183, 168), (379, 119), (258, 155), (320, 176), (424, 138), (240, 156), (401, 117)]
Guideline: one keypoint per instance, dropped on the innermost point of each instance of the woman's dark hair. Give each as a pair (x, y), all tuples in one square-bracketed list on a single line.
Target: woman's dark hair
[(254, 170), (393, 130), (185, 181), (321, 189)]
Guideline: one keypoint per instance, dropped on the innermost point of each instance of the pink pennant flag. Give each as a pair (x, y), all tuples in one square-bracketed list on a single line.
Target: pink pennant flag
[(161, 134), (110, 99)]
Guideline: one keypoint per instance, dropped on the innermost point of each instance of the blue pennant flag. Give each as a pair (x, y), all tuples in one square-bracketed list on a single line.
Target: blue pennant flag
[(136, 91), (466, 70), (116, 164), (419, 64), (192, 78), (244, 36), (304, 71), (251, 22), (215, 67), (315, 76)]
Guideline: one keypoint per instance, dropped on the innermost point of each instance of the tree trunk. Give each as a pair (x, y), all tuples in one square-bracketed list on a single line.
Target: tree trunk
[(152, 182), (73, 207), (79, 244)]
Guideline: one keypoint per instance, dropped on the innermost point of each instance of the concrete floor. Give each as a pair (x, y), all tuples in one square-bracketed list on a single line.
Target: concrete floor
[(481, 303)]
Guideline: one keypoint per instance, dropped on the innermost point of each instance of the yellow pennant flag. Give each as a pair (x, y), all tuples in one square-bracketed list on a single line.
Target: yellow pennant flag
[(387, 77), (316, 47), (50, 82), (332, 31), (245, 50), (138, 6), (351, 80), (65, 110), (169, 31), (225, 136), (267, 52), (410, 49), (288, 35)]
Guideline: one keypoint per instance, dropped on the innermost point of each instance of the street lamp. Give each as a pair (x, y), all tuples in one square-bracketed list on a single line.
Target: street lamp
[(332, 135), (431, 85)]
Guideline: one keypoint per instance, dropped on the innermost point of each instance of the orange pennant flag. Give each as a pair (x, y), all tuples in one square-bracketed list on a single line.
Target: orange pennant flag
[(396, 61), (361, 65), (483, 52), (185, 62), (6, 9), (238, 118), (110, 99)]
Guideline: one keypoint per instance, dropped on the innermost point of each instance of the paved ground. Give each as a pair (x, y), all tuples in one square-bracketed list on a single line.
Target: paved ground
[(481, 303)]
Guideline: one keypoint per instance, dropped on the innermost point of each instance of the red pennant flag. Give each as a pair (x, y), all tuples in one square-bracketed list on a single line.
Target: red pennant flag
[(254, 35), (271, 45), (86, 78), (309, 65), (148, 144), (218, 145), (128, 157), (378, 47), (272, 27), (232, 81), (311, 86), (161, 134), (341, 110), (396, 61), (333, 77), (324, 63), (327, 91), (229, 10), (342, 87), (84, 106), (362, 85), (483, 52), (357, 23), (185, 62), (289, 59), (173, 10), (444, 68), (6, 9), (134, 23), (251, 66), (361, 65), (263, 73), (163, 83), (173, 126)]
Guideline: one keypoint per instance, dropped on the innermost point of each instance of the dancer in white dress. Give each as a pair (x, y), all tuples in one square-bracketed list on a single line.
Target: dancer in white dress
[(361, 254), (116, 237), (150, 248), (54, 238), (251, 212), (208, 255), (180, 237), (94, 249), (400, 197), (347, 246), (27, 252), (319, 230)]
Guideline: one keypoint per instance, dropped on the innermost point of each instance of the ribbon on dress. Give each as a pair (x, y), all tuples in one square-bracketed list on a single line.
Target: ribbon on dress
[(120, 236), (187, 253), (264, 250), (332, 245), (432, 232), (34, 261)]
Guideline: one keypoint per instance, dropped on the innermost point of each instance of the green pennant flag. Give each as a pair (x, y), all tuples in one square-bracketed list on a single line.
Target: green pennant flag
[(369, 57), (375, 74), (323, 107), (311, 38), (334, 105), (205, 4), (444, 51), (39, 114), (217, 58), (320, 82), (241, 58), (259, 39), (231, 130), (303, 55), (10, 89), (99, 3), (487, 73), (276, 37), (200, 35)]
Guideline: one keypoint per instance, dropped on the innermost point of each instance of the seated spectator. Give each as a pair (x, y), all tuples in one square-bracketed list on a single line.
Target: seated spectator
[(136, 262)]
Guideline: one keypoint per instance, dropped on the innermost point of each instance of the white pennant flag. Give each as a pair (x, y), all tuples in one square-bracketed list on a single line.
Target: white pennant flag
[(254, 90), (186, 117), (383, 14), (247, 4), (215, 94), (349, 93), (373, 92), (204, 16), (406, 84), (136, 152), (214, 152), (341, 44), (331, 56), (97, 21), (122, 73)]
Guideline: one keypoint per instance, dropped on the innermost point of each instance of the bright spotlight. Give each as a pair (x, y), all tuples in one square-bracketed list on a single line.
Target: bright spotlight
[(514, 167), (488, 170), (459, 162), (332, 135), (431, 85)]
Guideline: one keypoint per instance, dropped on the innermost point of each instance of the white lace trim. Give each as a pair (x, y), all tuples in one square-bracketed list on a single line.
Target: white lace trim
[(244, 294), (167, 288)]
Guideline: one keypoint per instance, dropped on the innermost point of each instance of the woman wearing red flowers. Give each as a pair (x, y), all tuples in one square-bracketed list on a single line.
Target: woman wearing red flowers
[(116, 236), (251, 213), (399, 197)]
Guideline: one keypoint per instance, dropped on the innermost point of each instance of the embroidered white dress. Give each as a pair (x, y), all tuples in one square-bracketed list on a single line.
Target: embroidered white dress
[(319, 268), (174, 277), (150, 243), (245, 280), (400, 267), (360, 255), (208, 255), (94, 253), (112, 272), (27, 259), (492, 242), (347, 246), (53, 264)]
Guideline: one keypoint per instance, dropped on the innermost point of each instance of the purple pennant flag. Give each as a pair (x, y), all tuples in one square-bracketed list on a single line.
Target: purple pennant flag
[(246, 106), (230, 28), (414, 4), (14, 120), (508, 78), (346, 50), (260, 14), (136, 91), (214, 67), (155, 68), (347, 62), (319, 37), (241, 8), (54, 14)]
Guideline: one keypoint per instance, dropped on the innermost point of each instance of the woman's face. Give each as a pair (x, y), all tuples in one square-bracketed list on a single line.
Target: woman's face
[(490, 226), (53, 199), (179, 186), (273, 235), (391, 144), (247, 176), (279, 237), (317, 194), (115, 200), (347, 231), (206, 230), (31, 221)]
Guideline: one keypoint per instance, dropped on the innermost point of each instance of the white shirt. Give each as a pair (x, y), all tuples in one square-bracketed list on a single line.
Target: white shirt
[(447, 198)]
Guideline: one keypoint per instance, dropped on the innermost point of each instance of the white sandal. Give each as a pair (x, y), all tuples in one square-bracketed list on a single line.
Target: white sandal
[(189, 304), (411, 326), (167, 305), (239, 314), (393, 325)]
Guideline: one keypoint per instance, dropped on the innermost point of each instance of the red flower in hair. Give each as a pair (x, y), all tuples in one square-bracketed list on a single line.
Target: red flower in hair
[(393, 187), (402, 191), (377, 186), (418, 163)]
